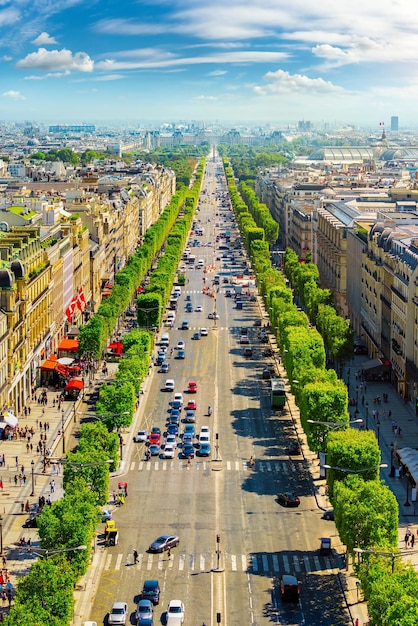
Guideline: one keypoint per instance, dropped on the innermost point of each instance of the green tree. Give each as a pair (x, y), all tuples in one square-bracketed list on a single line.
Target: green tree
[(366, 514)]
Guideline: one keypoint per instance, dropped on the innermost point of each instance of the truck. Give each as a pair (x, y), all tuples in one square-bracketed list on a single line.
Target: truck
[(181, 278)]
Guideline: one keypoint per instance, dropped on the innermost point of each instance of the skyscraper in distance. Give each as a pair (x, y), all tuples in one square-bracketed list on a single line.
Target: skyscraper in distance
[(394, 123)]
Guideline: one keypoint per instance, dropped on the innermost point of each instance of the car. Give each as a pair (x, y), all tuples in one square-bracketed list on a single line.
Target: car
[(169, 451), (144, 610), (175, 610), (187, 451), (204, 449), (174, 416), (244, 339), (171, 440), (154, 449), (118, 613), (172, 429), (205, 430), (191, 405), (141, 436), (189, 416), (192, 387), (204, 439), (198, 308), (151, 591), (329, 515), (213, 316), (160, 358), (257, 323), (189, 307), (165, 367), (188, 298), (184, 325), (178, 397), (248, 352), (164, 542), (155, 438), (196, 336), (267, 373), (181, 354), (156, 429), (289, 587), (187, 438), (189, 430), (169, 385), (180, 345), (145, 621), (203, 332), (288, 499), (294, 448), (106, 515), (175, 405)]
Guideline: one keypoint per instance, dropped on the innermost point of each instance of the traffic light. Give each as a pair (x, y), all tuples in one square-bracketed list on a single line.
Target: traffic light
[(218, 539), (218, 615)]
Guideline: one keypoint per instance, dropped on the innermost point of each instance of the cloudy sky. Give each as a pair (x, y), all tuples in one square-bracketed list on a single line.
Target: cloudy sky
[(239, 61)]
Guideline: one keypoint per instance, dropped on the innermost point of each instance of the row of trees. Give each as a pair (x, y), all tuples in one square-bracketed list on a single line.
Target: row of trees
[(46, 594), (66, 533), (181, 159), (366, 511)]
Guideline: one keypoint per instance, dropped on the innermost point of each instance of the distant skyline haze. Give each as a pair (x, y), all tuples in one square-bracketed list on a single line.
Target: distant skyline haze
[(239, 62)]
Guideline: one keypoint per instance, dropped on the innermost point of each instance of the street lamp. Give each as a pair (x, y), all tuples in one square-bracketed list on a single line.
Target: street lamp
[(407, 503), (63, 434), (32, 466), (367, 416), (354, 471), (378, 431), (1, 534), (47, 553), (335, 424), (389, 555)]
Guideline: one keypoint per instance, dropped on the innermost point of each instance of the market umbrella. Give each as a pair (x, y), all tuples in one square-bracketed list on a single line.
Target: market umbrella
[(65, 360)]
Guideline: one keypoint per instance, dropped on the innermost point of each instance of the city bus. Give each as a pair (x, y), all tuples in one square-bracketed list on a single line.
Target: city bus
[(278, 393)]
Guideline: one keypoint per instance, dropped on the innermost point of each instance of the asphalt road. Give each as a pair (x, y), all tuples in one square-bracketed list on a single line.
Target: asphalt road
[(259, 539)]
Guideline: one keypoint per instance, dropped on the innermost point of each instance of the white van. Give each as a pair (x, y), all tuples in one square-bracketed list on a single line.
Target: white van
[(165, 340)]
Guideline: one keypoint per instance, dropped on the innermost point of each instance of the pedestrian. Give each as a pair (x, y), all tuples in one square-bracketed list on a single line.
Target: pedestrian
[(27, 506), (169, 554), (135, 557), (412, 541), (22, 507), (4, 560), (114, 496)]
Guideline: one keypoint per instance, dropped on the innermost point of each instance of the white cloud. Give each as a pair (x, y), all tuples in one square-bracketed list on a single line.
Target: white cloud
[(9, 16), (44, 39), (128, 27), (13, 95), (281, 82), (245, 57), (49, 75), (217, 73), (206, 98), (6, 58), (57, 60)]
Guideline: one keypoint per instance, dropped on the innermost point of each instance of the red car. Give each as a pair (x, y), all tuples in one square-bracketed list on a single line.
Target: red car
[(191, 405), (155, 438), (192, 387)]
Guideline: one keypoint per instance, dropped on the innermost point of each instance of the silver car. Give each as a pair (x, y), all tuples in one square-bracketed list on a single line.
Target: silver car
[(118, 613)]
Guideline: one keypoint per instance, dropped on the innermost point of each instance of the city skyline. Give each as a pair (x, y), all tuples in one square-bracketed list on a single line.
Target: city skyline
[(260, 62)]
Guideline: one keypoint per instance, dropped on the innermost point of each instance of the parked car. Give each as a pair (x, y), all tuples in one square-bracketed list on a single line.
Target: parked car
[(288, 499), (181, 354), (203, 332), (189, 416), (118, 613), (192, 387), (294, 448), (248, 352), (329, 515), (164, 542), (169, 451), (165, 367), (191, 405), (204, 449), (151, 591), (187, 451), (154, 449), (155, 438)]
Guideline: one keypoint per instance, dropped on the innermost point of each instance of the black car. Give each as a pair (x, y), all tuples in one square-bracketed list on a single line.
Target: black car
[(289, 587), (31, 522), (151, 591), (187, 451), (288, 499), (329, 515), (164, 542), (294, 448)]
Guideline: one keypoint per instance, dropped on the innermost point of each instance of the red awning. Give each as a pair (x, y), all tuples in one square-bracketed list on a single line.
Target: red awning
[(49, 364), (64, 370), (68, 345), (75, 384)]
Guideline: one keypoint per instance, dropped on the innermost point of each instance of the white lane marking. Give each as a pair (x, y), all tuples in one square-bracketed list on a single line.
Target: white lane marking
[(317, 563), (202, 563), (307, 563), (286, 563), (140, 466), (132, 466), (296, 563), (233, 562), (254, 563), (244, 562), (108, 560), (119, 561), (181, 562), (275, 560), (149, 564), (265, 563)]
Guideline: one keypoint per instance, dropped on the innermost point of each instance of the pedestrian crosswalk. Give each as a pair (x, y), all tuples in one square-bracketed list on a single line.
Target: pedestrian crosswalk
[(258, 564), (171, 465)]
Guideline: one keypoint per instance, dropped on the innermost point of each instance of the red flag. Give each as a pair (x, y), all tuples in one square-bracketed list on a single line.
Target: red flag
[(81, 300), (69, 311)]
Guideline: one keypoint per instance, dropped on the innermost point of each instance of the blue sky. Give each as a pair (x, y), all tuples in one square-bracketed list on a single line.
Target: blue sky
[(231, 61)]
